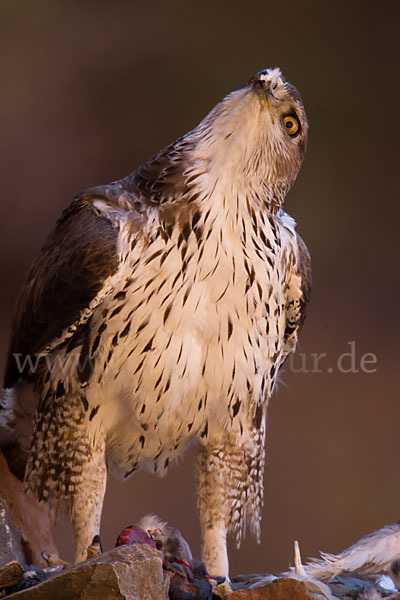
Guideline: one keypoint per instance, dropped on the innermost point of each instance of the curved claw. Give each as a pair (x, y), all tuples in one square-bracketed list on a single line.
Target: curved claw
[(96, 547)]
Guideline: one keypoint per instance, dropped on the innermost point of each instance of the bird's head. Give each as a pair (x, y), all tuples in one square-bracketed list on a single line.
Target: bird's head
[(258, 134)]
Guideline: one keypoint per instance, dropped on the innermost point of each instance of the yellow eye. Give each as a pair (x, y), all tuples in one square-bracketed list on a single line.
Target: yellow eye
[(291, 124)]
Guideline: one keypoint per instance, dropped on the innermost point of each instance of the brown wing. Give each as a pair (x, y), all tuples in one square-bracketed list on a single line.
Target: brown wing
[(299, 292), (67, 274)]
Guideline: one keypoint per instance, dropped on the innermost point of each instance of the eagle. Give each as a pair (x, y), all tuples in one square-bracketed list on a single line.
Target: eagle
[(159, 311)]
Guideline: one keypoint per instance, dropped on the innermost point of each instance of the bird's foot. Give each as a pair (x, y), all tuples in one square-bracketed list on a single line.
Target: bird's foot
[(96, 547), (223, 590), (53, 560)]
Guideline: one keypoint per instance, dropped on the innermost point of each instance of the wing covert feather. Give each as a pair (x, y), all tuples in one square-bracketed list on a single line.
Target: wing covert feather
[(68, 273)]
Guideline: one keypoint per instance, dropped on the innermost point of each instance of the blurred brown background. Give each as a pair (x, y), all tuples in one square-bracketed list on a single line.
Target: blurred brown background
[(89, 90)]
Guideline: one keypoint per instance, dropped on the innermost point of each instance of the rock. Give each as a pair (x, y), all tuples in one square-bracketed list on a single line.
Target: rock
[(12, 560), (29, 516), (125, 573), (280, 589)]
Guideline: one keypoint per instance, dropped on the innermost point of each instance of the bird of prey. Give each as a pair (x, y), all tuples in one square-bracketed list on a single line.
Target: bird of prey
[(160, 309)]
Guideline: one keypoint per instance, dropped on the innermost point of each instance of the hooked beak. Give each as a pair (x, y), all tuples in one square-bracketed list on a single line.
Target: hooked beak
[(264, 83)]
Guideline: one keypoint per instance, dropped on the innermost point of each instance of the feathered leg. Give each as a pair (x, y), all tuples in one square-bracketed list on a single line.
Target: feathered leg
[(66, 463), (230, 494), (86, 502), (213, 507)]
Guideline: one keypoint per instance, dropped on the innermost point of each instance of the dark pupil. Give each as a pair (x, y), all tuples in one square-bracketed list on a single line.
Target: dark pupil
[(289, 124)]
